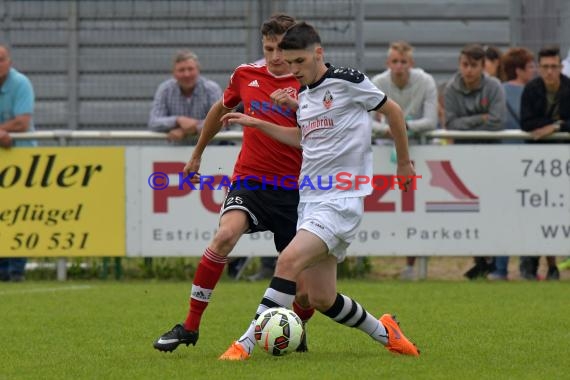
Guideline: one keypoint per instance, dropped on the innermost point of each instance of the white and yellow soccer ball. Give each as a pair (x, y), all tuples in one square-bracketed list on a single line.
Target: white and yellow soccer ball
[(278, 331)]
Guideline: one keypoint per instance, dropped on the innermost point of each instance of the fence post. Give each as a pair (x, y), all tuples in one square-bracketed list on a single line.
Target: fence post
[(423, 260)]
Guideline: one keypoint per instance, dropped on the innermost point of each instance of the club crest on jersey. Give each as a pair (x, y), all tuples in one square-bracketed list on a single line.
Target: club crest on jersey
[(328, 100)]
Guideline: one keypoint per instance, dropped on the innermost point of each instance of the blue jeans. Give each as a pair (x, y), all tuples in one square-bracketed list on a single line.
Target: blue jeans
[(12, 266), (501, 265)]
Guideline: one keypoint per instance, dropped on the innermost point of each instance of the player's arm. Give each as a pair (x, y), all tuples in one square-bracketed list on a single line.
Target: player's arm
[(286, 135), (395, 117), (212, 126)]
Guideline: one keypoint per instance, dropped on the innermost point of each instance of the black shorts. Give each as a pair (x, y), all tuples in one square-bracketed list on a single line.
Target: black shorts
[(271, 209)]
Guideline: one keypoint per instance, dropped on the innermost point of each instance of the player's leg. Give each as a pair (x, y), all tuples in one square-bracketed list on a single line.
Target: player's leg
[(336, 224), (233, 225), (304, 250), (234, 222), (303, 308), (348, 312), (284, 215)]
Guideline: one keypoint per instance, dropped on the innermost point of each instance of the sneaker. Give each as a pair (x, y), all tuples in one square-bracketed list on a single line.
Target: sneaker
[(397, 342), (529, 268), (496, 277), (553, 273), (303, 345), (480, 270), (178, 335), (235, 352)]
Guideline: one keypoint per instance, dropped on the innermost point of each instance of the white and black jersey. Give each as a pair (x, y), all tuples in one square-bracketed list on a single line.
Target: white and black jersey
[(336, 134)]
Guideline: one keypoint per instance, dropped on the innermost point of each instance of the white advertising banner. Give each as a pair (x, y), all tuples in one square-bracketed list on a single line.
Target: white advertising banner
[(470, 200)]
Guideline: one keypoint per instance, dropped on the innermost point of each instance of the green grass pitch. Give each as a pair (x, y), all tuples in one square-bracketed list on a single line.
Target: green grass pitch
[(105, 330)]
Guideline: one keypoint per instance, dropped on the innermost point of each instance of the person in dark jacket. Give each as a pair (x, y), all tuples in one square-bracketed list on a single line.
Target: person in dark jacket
[(545, 101), (545, 109)]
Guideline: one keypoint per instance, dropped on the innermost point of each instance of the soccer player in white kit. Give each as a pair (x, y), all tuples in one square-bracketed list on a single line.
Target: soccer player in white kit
[(335, 136)]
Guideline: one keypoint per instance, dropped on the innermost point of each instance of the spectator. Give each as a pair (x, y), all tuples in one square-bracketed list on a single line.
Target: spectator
[(566, 65), (518, 68), (16, 111), (415, 92), (545, 102), (545, 109), (493, 61), (474, 101), (181, 103)]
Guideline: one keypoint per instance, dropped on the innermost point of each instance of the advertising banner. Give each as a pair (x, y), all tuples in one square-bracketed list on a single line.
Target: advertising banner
[(62, 202), (470, 200)]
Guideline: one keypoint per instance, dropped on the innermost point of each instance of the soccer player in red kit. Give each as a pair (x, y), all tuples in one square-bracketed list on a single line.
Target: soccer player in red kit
[(268, 199)]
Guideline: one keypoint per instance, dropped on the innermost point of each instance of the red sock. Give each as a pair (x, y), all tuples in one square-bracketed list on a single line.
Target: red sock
[(304, 314), (207, 276)]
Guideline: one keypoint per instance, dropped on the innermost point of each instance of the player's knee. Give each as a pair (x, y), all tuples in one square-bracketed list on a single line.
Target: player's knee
[(225, 239), (287, 266)]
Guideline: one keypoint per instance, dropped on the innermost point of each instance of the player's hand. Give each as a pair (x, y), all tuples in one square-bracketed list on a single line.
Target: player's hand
[(176, 134), (5, 139), (539, 133), (192, 167), (238, 118), (407, 171), (281, 97)]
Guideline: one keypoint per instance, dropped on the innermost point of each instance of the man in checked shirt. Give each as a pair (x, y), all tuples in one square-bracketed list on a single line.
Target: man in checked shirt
[(181, 103)]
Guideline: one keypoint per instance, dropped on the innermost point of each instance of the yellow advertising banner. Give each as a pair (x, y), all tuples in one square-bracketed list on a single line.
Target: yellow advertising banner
[(62, 202)]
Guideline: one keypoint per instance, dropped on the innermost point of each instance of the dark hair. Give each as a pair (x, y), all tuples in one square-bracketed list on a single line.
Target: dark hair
[(513, 59), (276, 25), (492, 53), (474, 52), (549, 51), (299, 37)]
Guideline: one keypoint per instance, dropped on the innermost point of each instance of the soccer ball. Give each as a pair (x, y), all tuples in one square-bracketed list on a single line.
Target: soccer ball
[(278, 331)]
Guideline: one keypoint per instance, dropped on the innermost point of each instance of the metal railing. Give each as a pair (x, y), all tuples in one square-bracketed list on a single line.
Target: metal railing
[(66, 134)]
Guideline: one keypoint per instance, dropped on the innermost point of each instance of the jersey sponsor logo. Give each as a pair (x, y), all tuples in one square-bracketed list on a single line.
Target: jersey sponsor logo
[(328, 100), (265, 107), (320, 123), (253, 83)]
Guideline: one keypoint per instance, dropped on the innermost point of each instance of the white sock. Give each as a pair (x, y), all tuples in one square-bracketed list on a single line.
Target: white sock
[(280, 293)]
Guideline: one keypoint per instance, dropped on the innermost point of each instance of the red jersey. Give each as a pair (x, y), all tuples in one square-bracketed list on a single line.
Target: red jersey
[(260, 155)]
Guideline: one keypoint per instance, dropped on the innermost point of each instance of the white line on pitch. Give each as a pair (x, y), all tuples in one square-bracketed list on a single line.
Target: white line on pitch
[(45, 290)]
